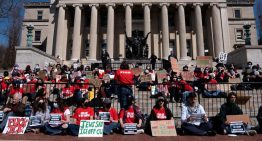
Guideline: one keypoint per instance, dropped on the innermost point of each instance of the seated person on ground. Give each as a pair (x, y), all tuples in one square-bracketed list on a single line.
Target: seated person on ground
[(194, 118)]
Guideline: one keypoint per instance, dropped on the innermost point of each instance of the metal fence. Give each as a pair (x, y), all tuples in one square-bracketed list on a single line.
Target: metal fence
[(116, 65)]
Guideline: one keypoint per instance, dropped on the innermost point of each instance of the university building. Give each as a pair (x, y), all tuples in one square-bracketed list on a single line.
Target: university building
[(80, 29)]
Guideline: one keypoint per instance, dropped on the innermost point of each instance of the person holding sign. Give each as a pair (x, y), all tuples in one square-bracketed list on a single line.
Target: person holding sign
[(125, 79), (131, 114), (110, 117), (194, 119), (59, 118), (85, 112)]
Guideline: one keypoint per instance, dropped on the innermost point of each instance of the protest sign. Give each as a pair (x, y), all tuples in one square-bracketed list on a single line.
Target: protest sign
[(55, 119), (136, 71), (105, 116), (2, 114), (237, 127), (163, 128), (187, 75), (236, 118), (42, 74), (145, 78), (16, 125), (106, 77), (197, 119), (161, 75), (89, 74), (28, 87), (58, 77), (174, 64), (91, 128), (204, 61), (35, 121), (130, 128), (96, 82)]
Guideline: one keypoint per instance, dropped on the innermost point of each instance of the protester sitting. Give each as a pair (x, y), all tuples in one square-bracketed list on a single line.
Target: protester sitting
[(230, 108), (112, 124), (194, 118), (212, 88), (131, 114), (85, 112), (58, 107), (13, 108)]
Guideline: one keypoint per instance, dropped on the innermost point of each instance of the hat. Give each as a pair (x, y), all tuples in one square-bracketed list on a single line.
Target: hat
[(107, 101)]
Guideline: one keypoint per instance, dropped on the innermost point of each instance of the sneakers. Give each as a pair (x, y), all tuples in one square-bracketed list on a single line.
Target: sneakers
[(251, 132), (140, 131)]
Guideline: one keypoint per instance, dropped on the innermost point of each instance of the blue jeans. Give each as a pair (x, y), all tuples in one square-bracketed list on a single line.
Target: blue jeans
[(212, 93), (108, 128), (73, 129), (2, 125), (52, 130), (200, 130), (123, 93)]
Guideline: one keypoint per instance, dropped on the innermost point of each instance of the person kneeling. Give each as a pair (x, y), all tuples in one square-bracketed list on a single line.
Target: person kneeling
[(194, 119)]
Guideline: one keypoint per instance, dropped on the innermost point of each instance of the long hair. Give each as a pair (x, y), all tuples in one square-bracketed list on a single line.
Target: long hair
[(39, 106)]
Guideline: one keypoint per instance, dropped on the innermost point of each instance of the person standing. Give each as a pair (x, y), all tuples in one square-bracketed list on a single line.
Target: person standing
[(153, 59), (104, 57)]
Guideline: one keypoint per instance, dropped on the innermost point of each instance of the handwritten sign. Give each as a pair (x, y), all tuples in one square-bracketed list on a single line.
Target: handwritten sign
[(35, 121), (42, 74), (145, 78), (174, 64), (136, 71), (89, 74), (105, 116), (187, 75), (161, 75), (163, 128), (16, 125), (55, 119), (204, 61), (2, 114), (106, 77), (130, 128), (235, 118), (91, 128), (96, 82)]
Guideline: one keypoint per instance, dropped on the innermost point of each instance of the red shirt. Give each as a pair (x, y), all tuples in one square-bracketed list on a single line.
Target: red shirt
[(186, 86), (160, 113), (32, 86), (128, 116), (58, 111), (83, 114), (212, 81), (68, 92), (13, 91), (124, 77)]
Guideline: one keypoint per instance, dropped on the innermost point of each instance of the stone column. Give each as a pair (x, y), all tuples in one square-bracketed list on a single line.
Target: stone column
[(60, 26), (76, 50), (128, 18), (199, 29), (182, 31), (165, 30), (225, 28), (93, 32), (147, 25), (110, 29), (217, 29)]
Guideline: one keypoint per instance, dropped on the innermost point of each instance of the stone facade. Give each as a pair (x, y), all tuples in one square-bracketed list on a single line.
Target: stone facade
[(75, 29)]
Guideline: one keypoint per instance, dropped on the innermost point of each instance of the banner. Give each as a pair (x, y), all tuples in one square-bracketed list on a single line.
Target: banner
[(163, 128), (16, 125), (187, 75), (91, 128), (204, 61)]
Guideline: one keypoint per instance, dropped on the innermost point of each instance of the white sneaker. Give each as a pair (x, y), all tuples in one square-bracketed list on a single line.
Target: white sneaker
[(140, 131)]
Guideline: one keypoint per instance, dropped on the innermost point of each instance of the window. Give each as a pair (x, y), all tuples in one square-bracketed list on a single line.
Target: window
[(237, 13), (239, 34), (39, 15), (37, 35)]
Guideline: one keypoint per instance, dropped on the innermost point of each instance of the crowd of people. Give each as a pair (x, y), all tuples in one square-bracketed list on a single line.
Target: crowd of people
[(25, 93)]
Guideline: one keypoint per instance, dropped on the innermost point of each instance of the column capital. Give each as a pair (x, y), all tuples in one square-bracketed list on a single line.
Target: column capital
[(128, 4), (222, 5), (197, 4), (180, 4), (147, 4), (78, 5), (94, 4), (164, 4), (213, 4), (61, 5), (110, 4)]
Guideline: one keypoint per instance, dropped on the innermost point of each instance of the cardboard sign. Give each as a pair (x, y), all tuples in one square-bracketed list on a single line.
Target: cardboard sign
[(204, 61), (42, 74), (58, 77), (197, 118), (187, 75), (27, 88), (174, 64), (55, 119), (136, 71), (237, 127), (105, 116), (96, 82), (237, 118), (161, 75), (16, 125), (106, 77), (163, 128), (89, 74), (211, 87), (145, 78), (35, 121), (130, 128), (91, 128), (242, 99), (234, 80), (2, 114)]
